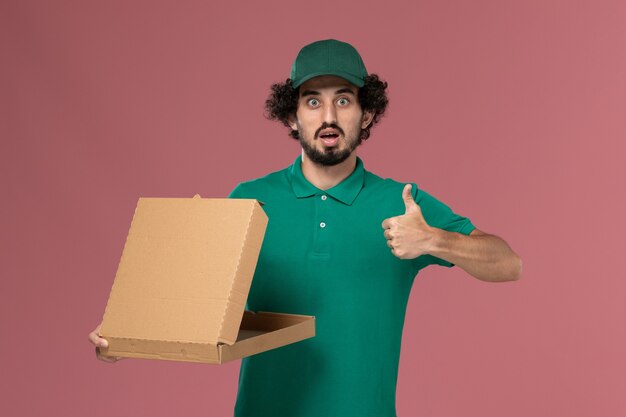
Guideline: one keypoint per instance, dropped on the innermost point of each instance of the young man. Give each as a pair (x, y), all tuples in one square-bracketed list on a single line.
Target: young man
[(326, 254), (344, 245)]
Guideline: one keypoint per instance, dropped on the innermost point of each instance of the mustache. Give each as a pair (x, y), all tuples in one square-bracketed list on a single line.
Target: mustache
[(328, 126)]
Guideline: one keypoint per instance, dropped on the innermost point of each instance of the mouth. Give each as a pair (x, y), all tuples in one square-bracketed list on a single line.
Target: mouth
[(329, 137)]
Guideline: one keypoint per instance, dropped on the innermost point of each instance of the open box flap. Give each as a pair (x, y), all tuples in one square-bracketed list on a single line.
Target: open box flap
[(185, 271)]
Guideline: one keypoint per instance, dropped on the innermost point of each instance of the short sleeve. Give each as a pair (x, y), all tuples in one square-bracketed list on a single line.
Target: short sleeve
[(439, 215)]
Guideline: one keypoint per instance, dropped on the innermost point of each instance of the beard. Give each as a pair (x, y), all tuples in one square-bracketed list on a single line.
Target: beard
[(328, 156)]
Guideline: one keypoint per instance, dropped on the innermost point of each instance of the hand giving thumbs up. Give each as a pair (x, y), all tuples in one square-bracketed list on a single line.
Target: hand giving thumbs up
[(408, 235)]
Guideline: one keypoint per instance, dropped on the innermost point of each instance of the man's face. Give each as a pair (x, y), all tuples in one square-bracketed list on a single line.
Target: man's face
[(329, 119)]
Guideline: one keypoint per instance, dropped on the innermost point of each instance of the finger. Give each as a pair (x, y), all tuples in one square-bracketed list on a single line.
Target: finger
[(97, 340), (93, 338), (386, 223), (387, 234), (409, 204), (390, 244)]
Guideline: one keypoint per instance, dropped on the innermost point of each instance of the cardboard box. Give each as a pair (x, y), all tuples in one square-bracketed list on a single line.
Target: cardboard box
[(183, 281)]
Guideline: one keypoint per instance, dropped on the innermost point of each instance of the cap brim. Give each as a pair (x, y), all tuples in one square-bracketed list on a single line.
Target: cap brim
[(348, 77)]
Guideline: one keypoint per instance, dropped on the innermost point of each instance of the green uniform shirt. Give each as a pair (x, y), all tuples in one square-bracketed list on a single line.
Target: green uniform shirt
[(325, 255)]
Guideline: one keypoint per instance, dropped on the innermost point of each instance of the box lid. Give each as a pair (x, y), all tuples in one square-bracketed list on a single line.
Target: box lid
[(186, 270)]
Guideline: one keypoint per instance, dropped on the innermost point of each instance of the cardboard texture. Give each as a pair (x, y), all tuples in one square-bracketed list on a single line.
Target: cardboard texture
[(183, 281)]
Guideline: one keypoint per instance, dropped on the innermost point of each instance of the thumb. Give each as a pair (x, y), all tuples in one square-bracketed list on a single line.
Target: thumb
[(409, 203)]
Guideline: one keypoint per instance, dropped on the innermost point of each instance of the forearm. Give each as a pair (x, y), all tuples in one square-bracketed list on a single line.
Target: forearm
[(486, 257)]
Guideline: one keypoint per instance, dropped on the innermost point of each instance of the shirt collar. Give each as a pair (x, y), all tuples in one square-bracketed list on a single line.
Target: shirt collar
[(346, 191)]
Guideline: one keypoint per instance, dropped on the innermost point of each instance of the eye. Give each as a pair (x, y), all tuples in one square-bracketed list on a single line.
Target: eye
[(343, 101), (313, 102)]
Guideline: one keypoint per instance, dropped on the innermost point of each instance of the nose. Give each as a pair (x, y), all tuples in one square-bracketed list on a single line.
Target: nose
[(330, 114)]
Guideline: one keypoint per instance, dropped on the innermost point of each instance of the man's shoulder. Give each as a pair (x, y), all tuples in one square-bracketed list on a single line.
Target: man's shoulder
[(378, 184), (391, 189)]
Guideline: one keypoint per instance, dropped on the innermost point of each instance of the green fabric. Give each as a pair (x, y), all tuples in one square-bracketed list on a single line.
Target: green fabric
[(343, 274), (328, 57)]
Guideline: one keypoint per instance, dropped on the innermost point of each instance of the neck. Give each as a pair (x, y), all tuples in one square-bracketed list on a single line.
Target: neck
[(325, 177)]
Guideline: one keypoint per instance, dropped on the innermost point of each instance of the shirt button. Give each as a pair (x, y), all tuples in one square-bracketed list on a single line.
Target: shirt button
[(324, 197), (322, 225)]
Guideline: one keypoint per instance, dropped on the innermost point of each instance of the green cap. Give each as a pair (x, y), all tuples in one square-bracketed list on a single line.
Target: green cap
[(329, 57)]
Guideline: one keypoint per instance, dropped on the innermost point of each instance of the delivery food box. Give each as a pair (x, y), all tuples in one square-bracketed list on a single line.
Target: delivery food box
[(183, 280)]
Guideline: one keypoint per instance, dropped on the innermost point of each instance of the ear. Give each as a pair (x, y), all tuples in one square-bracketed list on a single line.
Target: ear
[(291, 120), (366, 119)]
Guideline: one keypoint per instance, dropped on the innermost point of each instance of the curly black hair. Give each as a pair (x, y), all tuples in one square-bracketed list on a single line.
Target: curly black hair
[(283, 103)]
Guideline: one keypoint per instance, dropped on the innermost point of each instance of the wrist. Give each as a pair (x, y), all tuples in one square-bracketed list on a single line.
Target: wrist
[(441, 242)]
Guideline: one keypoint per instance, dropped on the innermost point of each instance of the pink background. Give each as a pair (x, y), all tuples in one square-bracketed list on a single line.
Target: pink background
[(512, 112)]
